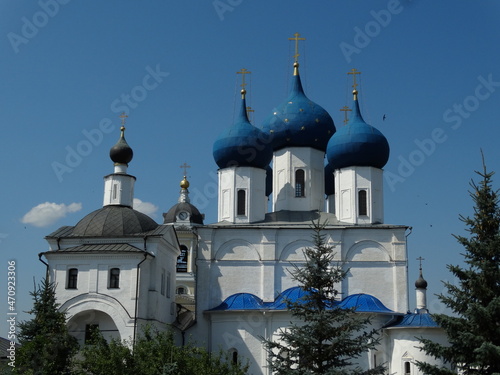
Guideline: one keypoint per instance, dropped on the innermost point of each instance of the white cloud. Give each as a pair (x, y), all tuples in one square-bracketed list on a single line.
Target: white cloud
[(48, 213), (145, 207)]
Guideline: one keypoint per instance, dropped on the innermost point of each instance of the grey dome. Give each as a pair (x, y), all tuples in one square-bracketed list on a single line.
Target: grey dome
[(114, 221), (195, 216), (421, 283)]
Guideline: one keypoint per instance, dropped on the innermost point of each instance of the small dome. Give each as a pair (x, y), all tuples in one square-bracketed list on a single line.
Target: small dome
[(114, 221), (299, 122), (421, 283), (180, 210), (242, 145), (357, 144), (121, 153)]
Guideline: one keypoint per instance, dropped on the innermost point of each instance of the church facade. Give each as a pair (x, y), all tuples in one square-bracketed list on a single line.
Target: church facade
[(225, 284)]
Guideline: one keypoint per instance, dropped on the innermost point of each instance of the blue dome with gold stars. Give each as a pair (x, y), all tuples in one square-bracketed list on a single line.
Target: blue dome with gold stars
[(299, 122), (357, 144), (242, 145)]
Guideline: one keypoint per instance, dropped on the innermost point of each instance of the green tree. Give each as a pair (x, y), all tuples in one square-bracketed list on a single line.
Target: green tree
[(326, 339), (473, 330), (46, 346), (155, 353)]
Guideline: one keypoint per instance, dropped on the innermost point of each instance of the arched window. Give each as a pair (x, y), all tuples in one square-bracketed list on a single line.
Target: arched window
[(114, 278), (241, 203), (72, 278), (182, 259), (234, 355), (300, 180), (362, 203), (181, 290)]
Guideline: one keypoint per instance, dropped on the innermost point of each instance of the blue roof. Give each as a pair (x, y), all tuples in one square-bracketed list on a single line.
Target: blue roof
[(357, 144), (299, 122), (248, 301), (364, 303), (416, 320), (242, 145)]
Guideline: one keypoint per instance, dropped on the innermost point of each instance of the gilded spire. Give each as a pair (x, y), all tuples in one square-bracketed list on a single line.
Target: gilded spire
[(354, 72), (243, 71), (296, 56)]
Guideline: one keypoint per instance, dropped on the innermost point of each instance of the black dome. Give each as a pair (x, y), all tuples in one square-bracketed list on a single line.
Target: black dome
[(421, 283), (121, 152), (195, 216), (114, 221)]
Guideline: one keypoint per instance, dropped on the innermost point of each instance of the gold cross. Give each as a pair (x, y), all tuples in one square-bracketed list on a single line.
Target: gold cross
[(243, 71), (123, 116), (354, 72), (185, 166), (249, 110), (345, 109), (296, 35)]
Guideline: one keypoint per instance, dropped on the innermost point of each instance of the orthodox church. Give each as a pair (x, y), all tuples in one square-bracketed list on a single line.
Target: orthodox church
[(225, 284)]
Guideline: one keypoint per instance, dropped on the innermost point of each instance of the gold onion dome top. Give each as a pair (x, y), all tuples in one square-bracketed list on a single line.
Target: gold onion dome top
[(184, 183)]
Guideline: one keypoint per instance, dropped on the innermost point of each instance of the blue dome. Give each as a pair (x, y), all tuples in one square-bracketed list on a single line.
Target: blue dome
[(364, 303), (242, 145), (299, 121), (357, 144)]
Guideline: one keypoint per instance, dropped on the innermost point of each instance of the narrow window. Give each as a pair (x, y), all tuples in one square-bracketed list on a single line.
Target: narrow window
[(114, 278), (169, 276), (407, 370), (162, 282), (90, 329), (300, 183), (234, 355), (182, 259), (115, 188), (72, 278), (362, 202), (241, 202)]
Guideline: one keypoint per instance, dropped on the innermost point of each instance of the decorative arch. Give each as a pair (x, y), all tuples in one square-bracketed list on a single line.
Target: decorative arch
[(294, 250), (237, 250), (98, 302), (367, 251)]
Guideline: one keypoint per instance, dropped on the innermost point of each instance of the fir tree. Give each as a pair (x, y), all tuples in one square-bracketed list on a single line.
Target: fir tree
[(327, 339), (474, 329), (46, 346)]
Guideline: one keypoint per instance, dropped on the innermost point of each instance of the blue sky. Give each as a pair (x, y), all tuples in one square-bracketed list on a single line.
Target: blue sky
[(68, 68)]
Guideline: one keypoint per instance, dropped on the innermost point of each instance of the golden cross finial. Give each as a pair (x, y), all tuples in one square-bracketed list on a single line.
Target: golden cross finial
[(354, 72), (345, 109), (296, 35), (185, 166), (243, 71), (123, 116)]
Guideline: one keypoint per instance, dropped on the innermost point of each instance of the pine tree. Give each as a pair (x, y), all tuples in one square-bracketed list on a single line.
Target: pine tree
[(327, 339), (474, 328), (46, 346)]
